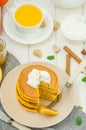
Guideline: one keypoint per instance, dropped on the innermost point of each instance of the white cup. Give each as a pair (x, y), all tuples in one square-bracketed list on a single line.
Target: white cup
[(28, 28)]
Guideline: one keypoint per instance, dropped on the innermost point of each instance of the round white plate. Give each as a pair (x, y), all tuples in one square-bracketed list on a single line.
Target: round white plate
[(28, 38), (37, 120)]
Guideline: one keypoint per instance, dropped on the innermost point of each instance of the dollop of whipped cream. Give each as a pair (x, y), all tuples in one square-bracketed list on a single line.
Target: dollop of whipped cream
[(36, 76)]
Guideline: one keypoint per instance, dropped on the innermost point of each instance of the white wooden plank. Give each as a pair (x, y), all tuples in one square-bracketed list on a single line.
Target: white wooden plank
[(24, 53), (62, 41), (46, 49), (20, 51)]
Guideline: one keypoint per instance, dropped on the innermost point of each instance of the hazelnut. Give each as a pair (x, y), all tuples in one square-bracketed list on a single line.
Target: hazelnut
[(56, 49), (43, 24), (56, 25), (37, 53)]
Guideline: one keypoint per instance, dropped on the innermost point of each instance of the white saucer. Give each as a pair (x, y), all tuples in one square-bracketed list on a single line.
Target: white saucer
[(30, 38)]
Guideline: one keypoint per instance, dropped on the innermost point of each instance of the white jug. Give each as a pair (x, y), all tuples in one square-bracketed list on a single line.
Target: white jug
[(69, 3)]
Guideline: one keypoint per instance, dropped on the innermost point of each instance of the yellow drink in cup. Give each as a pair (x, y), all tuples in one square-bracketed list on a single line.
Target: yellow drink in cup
[(31, 15), (28, 16)]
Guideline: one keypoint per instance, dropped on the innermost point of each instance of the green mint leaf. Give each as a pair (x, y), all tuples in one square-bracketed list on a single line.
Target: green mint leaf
[(78, 120), (84, 79), (51, 57), (80, 107)]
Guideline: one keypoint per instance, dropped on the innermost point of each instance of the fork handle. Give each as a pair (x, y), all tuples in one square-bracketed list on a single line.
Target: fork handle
[(79, 69)]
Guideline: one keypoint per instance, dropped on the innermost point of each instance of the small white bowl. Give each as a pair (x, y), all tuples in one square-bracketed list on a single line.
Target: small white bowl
[(28, 28), (73, 27)]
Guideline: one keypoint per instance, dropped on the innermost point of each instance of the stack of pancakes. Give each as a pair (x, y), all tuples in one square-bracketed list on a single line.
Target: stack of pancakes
[(28, 96)]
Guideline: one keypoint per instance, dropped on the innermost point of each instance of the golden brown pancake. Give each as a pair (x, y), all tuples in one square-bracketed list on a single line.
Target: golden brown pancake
[(28, 96)]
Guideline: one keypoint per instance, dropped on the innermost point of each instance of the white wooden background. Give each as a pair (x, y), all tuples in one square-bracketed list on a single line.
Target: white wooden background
[(24, 53)]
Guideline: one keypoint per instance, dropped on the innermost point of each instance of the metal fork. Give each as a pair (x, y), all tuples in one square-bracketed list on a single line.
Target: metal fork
[(69, 83)]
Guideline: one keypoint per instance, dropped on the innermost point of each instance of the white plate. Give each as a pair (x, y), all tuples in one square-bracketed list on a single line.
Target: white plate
[(28, 38), (37, 120)]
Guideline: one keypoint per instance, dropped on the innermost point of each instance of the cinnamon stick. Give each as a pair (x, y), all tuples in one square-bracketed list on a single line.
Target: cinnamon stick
[(68, 63), (77, 58)]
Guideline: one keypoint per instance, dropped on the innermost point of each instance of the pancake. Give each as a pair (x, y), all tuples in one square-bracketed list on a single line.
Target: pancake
[(28, 96)]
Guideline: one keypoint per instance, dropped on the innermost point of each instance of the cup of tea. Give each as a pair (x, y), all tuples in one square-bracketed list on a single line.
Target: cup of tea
[(3, 51), (28, 16)]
